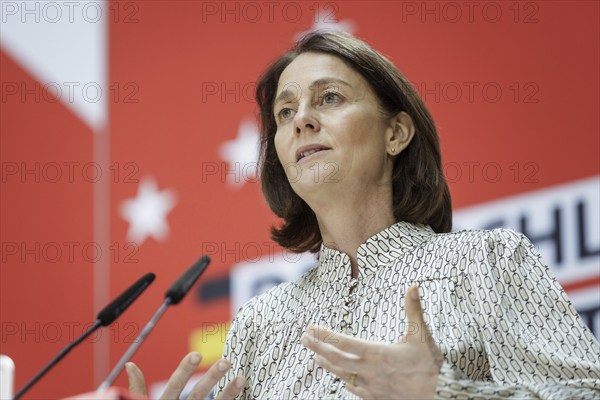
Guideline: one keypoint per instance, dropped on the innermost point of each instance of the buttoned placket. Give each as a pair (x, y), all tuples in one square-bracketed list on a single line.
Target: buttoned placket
[(368, 257), (346, 321)]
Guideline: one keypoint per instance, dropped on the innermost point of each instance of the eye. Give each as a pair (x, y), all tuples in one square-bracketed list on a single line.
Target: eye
[(330, 98), (285, 113)]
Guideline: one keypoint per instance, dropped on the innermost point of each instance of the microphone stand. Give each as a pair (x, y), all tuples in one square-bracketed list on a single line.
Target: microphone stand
[(173, 296), (104, 318), (133, 348), (56, 359)]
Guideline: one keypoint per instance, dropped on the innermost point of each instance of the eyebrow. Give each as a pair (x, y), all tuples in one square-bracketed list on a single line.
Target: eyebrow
[(319, 82)]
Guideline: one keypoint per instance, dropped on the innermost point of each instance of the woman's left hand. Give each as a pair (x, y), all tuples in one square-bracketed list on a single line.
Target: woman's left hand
[(408, 369)]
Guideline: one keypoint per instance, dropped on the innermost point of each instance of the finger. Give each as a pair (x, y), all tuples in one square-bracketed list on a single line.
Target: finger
[(234, 388), (417, 327), (342, 370), (359, 391), (208, 381), (330, 351), (137, 383), (338, 340), (345, 374), (182, 374), (414, 311)]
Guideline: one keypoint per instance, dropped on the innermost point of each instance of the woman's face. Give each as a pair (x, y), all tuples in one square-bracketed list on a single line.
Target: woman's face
[(331, 134)]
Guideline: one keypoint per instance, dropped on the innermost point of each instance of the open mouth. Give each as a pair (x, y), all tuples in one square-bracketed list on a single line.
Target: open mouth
[(307, 151)]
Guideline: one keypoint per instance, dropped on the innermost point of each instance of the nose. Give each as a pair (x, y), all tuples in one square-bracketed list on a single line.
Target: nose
[(306, 121)]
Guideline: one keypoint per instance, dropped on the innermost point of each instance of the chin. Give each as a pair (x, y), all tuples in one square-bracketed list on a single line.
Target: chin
[(313, 185), (319, 172)]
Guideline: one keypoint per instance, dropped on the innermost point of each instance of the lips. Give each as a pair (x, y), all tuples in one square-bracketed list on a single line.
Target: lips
[(308, 150)]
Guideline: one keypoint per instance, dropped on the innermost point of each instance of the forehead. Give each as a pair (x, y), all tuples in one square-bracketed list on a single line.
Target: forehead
[(310, 67)]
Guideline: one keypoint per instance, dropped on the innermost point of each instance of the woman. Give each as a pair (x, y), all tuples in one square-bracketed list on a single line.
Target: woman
[(350, 161)]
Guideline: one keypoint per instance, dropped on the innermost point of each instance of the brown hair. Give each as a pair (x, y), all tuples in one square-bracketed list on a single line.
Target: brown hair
[(420, 191)]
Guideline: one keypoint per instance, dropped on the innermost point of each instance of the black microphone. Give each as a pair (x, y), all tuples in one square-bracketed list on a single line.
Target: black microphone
[(187, 280), (120, 304), (173, 296), (104, 318)]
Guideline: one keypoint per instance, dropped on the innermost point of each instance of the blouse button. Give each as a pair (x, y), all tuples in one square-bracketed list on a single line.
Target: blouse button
[(334, 385), (349, 300)]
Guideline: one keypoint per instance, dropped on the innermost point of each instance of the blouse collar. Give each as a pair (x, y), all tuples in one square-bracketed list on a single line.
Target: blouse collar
[(380, 249)]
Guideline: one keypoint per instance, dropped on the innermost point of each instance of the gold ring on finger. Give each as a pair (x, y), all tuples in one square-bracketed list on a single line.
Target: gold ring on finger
[(352, 379)]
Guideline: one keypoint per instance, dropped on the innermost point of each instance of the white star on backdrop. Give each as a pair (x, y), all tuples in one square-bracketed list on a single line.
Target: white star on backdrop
[(147, 212), (241, 154), (325, 20)]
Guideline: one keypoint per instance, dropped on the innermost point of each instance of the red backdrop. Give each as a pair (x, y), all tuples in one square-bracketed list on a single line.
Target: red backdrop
[(513, 87)]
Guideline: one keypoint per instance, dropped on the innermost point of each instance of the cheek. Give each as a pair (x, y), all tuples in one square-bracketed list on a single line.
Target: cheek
[(367, 144), (359, 127)]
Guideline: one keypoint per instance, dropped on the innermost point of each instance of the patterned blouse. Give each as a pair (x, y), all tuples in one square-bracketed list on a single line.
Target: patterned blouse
[(504, 325)]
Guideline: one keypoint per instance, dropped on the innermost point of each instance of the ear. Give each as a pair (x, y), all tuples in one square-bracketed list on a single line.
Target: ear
[(401, 132)]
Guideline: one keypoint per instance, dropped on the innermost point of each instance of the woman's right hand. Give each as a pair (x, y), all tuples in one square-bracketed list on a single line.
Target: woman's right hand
[(177, 381)]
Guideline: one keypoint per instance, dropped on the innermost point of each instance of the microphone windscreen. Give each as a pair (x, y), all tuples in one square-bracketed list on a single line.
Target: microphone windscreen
[(183, 284), (120, 304)]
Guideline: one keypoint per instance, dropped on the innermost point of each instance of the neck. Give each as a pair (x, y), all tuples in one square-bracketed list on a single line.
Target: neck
[(346, 225)]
